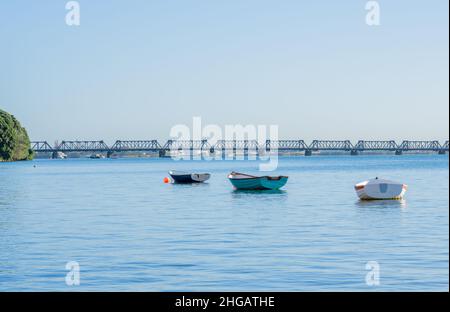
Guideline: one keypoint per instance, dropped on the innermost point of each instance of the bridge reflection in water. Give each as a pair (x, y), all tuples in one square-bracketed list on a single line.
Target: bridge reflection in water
[(240, 146)]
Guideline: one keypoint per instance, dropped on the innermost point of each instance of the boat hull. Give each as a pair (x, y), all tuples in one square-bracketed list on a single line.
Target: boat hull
[(380, 190), (258, 183), (188, 178)]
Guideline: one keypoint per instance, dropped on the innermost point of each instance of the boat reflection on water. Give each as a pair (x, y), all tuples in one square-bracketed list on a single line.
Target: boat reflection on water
[(258, 192), (261, 196), (189, 185), (383, 203)]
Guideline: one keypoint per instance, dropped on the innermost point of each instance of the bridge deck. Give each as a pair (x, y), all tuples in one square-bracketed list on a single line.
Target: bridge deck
[(241, 145)]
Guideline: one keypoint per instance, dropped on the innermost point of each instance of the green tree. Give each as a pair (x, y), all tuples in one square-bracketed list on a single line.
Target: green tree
[(14, 140)]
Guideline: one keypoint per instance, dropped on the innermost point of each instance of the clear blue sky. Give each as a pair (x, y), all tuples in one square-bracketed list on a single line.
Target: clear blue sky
[(134, 68)]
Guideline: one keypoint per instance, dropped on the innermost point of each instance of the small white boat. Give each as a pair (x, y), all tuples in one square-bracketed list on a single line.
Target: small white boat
[(59, 155), (184, 177), (97, 156), (380, 189)]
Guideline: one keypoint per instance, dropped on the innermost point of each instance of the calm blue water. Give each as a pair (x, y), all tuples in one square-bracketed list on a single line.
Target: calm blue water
[(130, 231)]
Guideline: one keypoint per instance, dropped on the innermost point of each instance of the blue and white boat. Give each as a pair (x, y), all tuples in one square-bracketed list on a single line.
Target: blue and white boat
[(184, 177), (380, 189), (243, 181)]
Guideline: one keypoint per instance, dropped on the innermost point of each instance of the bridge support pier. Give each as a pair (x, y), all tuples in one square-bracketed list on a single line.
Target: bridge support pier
[(442, 152), (162, 153), (308, 153), (354, 153), (109, 154), (398, 152), (222, 154)]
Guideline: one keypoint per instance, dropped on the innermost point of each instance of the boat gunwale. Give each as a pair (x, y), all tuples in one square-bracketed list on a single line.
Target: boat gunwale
[(182, 173), (251, 177)]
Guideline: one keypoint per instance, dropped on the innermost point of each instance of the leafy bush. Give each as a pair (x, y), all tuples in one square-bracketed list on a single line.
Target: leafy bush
[(14, 141)]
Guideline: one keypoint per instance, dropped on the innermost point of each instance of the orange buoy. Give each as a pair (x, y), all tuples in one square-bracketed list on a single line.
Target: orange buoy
[(166, 180)]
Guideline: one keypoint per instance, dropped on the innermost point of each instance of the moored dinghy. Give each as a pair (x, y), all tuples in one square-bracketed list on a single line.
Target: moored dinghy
[(184, 177), (243, 181), (380, 189)]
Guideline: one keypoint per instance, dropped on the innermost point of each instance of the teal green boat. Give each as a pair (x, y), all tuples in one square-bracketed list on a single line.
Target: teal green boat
[(243, 181)]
